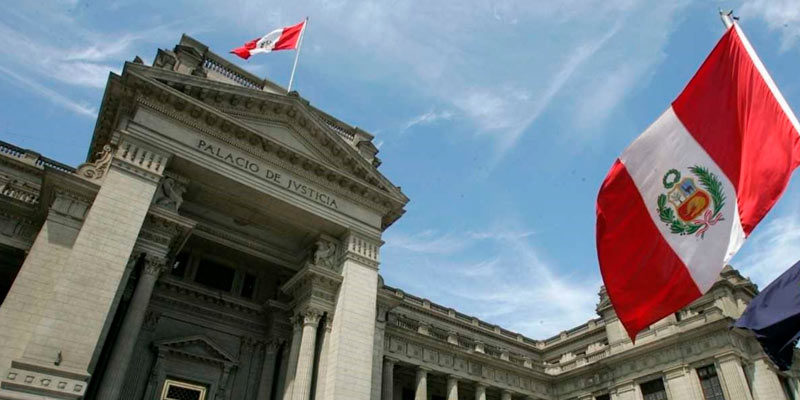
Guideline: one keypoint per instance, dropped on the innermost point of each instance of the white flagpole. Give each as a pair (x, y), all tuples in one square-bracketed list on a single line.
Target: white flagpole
[(297, 55), (727, 18)]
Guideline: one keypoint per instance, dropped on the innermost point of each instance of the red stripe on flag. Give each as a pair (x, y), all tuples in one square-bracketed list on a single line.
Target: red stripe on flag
[(289, 37), (731, 112), (244, 51), (645, 279)]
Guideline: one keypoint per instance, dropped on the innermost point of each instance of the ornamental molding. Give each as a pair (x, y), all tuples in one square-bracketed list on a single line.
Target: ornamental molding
[(96, 169), (313, 287), (140, 159), (359, 182), (465, 366), (199, 348)]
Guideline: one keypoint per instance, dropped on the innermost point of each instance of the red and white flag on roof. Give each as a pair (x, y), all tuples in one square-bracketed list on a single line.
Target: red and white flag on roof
[(680, 201), (280, 39)]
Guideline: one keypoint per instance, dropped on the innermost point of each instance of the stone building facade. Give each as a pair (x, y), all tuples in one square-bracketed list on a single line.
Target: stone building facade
[(222, 242)]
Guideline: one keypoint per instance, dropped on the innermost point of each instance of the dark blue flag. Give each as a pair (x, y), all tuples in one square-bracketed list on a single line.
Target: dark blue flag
[(774, 317)]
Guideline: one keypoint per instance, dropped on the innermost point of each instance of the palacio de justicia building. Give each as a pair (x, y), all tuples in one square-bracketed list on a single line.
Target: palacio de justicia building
[(222, 242)]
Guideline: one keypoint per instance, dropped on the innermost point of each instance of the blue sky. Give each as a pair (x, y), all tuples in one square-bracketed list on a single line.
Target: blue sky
[(498, 118)]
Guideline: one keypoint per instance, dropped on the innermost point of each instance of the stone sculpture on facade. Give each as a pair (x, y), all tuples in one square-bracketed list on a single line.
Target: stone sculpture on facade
[(170, 194), (325, 254)]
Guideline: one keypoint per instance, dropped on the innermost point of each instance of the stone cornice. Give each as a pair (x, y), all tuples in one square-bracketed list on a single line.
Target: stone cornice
[(360, 180)]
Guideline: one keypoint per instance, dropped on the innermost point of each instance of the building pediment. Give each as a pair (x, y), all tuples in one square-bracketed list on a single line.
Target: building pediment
[(197, 347), (279, 128)]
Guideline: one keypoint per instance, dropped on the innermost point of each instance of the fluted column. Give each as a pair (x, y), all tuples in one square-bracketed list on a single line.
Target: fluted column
[(505, 395), (387, 383), (733, 377), (131, 325), (678, 383), (480, 391), (305, 357), (422, 384), (271, 348), (294, 350), (322, 365), (452, 387)]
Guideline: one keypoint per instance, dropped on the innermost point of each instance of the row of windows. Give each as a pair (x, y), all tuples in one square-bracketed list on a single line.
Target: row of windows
[(654, 390)]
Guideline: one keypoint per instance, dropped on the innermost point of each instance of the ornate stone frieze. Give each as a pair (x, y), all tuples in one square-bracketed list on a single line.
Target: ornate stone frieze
[(163, 232), (45, 380), (362, 249), (18, 190), (154, 265), (313, 287), (96, 169)]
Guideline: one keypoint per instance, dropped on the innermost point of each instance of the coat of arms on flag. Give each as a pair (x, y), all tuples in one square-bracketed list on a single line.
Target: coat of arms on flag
[(685, 201)]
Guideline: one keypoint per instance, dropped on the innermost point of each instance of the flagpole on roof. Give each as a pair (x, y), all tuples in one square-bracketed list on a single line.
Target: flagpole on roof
[(727, 17), (297, 55)]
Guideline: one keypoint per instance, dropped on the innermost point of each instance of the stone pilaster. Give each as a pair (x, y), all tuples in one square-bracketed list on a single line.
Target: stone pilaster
[(505, 395), (294, 351), (452, 387), (766, 384), (67, 199), (678, 384), (265, 383), (70, 330), (129, 332), (322, 365), (480, 391), (387, 383), (305, 357), (421, 392), (350, 355), (733, 378)]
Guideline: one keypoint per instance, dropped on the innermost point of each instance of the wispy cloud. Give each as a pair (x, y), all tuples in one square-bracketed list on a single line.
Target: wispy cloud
[(429, 118), (772, 249), (779, 15), (496, 274), (47, 93)]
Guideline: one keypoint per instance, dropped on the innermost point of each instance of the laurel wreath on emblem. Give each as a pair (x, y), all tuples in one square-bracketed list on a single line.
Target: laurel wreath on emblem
[(714, 188)]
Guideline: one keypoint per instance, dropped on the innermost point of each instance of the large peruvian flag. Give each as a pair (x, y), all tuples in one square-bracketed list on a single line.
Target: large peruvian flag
[(280, 39), (680, 201)]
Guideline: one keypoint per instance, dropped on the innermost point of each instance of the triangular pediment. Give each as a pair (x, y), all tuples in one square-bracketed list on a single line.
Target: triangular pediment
[(199, 346), (289, 137)]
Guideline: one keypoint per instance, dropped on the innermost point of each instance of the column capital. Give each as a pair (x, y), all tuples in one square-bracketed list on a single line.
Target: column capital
[(729, 356), (453, 377), (389, 361), (481, 385), (154, 266), (310, 316)]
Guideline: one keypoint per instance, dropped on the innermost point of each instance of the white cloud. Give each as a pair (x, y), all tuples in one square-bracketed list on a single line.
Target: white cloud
[(47, 93), (498, 275), (779, 15), (772, 249), (429, 118)]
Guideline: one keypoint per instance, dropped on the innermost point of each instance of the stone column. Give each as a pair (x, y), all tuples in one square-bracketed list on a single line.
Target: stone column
[(294, 350), (480, 391), (505, 395), (387, 390), (305, 357), (732, 377), (322, 365), (352, 336), (678, 383), (766, 384), (422, 384), (271, 348), (452, 387), (129, 331)]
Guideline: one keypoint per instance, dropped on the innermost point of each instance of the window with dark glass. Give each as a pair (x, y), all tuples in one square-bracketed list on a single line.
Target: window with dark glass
[(248, 286), (179, 266), (653, 390), (603, 397), (709, 381), (214, 275)]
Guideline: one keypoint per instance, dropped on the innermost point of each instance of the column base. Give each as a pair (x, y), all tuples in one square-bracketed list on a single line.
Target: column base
[(43, 381)]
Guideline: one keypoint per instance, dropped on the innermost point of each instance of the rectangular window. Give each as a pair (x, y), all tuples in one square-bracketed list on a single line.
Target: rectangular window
[(215, 275), (175, 390), (603, 397), (709, 381), (653, 390), (248, 286)]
